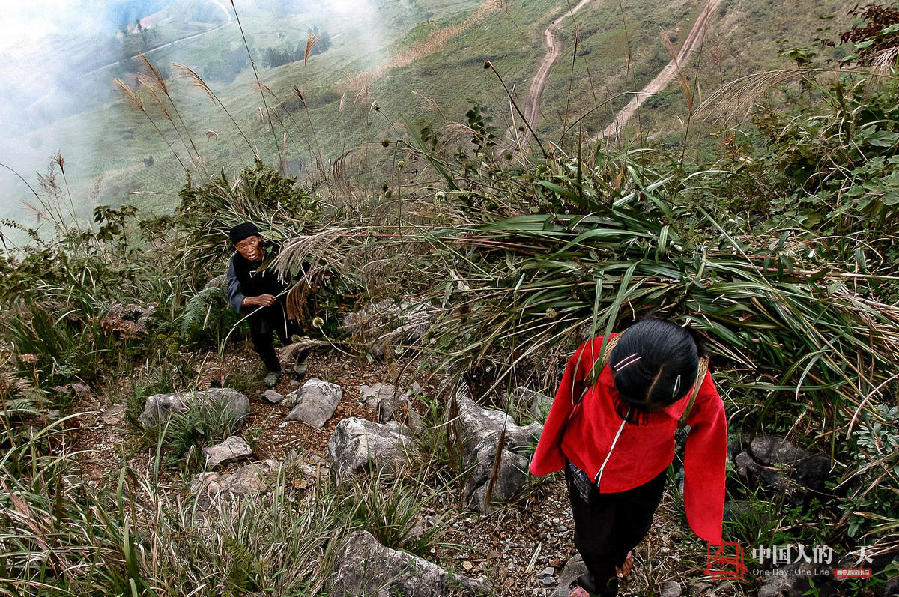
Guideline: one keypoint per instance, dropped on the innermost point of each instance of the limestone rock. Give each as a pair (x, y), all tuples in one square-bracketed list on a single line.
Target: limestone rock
[(482, 428), (568, 576), (777, 464), (272, 396), (159, 407), (386, 399), (512, 477), (358, 444), (316, 402), (793, 582), (536, 404), (382, 397), (484, 425), (387, 323), (670, 589), (249, 480), (365, 567), (232, 448)]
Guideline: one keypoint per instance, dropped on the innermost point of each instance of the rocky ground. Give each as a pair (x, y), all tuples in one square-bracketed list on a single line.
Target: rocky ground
[(519, 547)]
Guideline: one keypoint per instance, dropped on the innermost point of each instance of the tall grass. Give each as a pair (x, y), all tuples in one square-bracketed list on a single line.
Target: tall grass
[(63, 537)]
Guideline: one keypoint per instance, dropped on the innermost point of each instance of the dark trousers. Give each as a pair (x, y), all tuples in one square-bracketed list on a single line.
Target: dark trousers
[(264, 323), (608, 525)]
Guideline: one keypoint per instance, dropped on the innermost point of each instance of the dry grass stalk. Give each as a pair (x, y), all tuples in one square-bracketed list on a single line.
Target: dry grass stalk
[(489, 65), (130, 96), (494, 472), (263, 88), (246, 45), (197, 81), (884, 61), (38, 213), (679, 72), (739, 95), (61, 162), (150, 84), (319, 159), (314, 254), (134, 99), (159, 81), (310, 42), (22, 178)]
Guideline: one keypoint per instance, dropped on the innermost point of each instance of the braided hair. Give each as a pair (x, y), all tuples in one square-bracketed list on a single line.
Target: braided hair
[(654, 365)]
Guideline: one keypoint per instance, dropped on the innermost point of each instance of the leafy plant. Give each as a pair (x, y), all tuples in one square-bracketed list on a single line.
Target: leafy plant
[(391, 512), (207, 317), (202, 424), (874, 473)]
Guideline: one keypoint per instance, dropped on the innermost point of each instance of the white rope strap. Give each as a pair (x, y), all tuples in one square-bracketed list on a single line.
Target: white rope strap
[(609, 455)]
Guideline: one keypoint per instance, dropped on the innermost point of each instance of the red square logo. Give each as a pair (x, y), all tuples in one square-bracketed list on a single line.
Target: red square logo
[(725, 560)]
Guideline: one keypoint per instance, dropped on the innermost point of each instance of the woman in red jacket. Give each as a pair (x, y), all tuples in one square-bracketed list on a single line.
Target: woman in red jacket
[(616, 441)]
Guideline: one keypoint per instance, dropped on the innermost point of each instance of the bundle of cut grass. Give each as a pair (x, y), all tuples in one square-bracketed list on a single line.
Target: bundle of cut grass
[(541, 281)]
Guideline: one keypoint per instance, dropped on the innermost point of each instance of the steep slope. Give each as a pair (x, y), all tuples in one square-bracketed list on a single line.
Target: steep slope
[(421, 60)]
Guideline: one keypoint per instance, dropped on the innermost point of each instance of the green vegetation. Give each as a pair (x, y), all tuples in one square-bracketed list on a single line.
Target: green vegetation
[(618, 51), (774, 238)]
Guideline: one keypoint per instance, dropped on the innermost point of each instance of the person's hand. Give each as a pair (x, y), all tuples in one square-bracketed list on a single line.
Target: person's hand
[(263, 300)]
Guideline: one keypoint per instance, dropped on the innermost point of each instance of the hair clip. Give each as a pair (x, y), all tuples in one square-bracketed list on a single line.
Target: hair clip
[(626, 362), (676, 386)]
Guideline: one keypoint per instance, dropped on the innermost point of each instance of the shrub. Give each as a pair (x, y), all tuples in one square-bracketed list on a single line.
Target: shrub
[(201, 425)]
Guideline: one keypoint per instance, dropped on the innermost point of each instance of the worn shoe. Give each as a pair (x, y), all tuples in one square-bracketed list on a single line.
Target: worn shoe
[(271, 379), (627, 566)]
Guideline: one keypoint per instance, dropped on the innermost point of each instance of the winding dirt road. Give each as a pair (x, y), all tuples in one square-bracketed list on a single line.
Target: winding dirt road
[(219, 3), (666, 75), (538, 84), (553, 51)]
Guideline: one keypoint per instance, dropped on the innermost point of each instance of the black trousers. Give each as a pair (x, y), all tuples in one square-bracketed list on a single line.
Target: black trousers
[(608, 525), (265, 322)]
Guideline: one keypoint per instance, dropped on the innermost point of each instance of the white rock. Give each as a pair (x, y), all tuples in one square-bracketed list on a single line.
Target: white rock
[(357, 445), (316, 402), (272, 396), (232, 448)]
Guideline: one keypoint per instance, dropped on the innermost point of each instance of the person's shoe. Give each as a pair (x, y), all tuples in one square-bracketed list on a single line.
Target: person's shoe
[(627, 566), (271, 379)]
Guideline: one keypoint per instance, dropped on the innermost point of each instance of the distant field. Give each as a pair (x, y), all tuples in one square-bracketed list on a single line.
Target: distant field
[(114, 155)]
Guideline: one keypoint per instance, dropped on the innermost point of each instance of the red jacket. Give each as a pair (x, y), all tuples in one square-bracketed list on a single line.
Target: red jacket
[(584, 433)]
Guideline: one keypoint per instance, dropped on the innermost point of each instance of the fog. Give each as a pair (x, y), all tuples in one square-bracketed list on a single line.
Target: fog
[(58, 59)]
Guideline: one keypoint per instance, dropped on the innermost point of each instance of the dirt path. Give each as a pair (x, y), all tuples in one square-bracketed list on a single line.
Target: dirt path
[(175, 42), (221, 4), (553, 51), (666, 75)]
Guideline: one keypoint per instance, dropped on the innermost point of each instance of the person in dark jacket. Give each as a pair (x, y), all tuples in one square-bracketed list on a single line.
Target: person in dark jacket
[(256, 290)]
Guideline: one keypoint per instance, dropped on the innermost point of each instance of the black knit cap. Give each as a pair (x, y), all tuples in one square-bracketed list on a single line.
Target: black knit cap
[(242, 231)]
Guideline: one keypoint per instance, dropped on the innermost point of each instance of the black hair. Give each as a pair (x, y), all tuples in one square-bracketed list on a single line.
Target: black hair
[(654, 365)]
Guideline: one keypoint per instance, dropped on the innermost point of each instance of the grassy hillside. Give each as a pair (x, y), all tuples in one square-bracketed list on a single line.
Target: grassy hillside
[(776, 245), (116, 156)]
